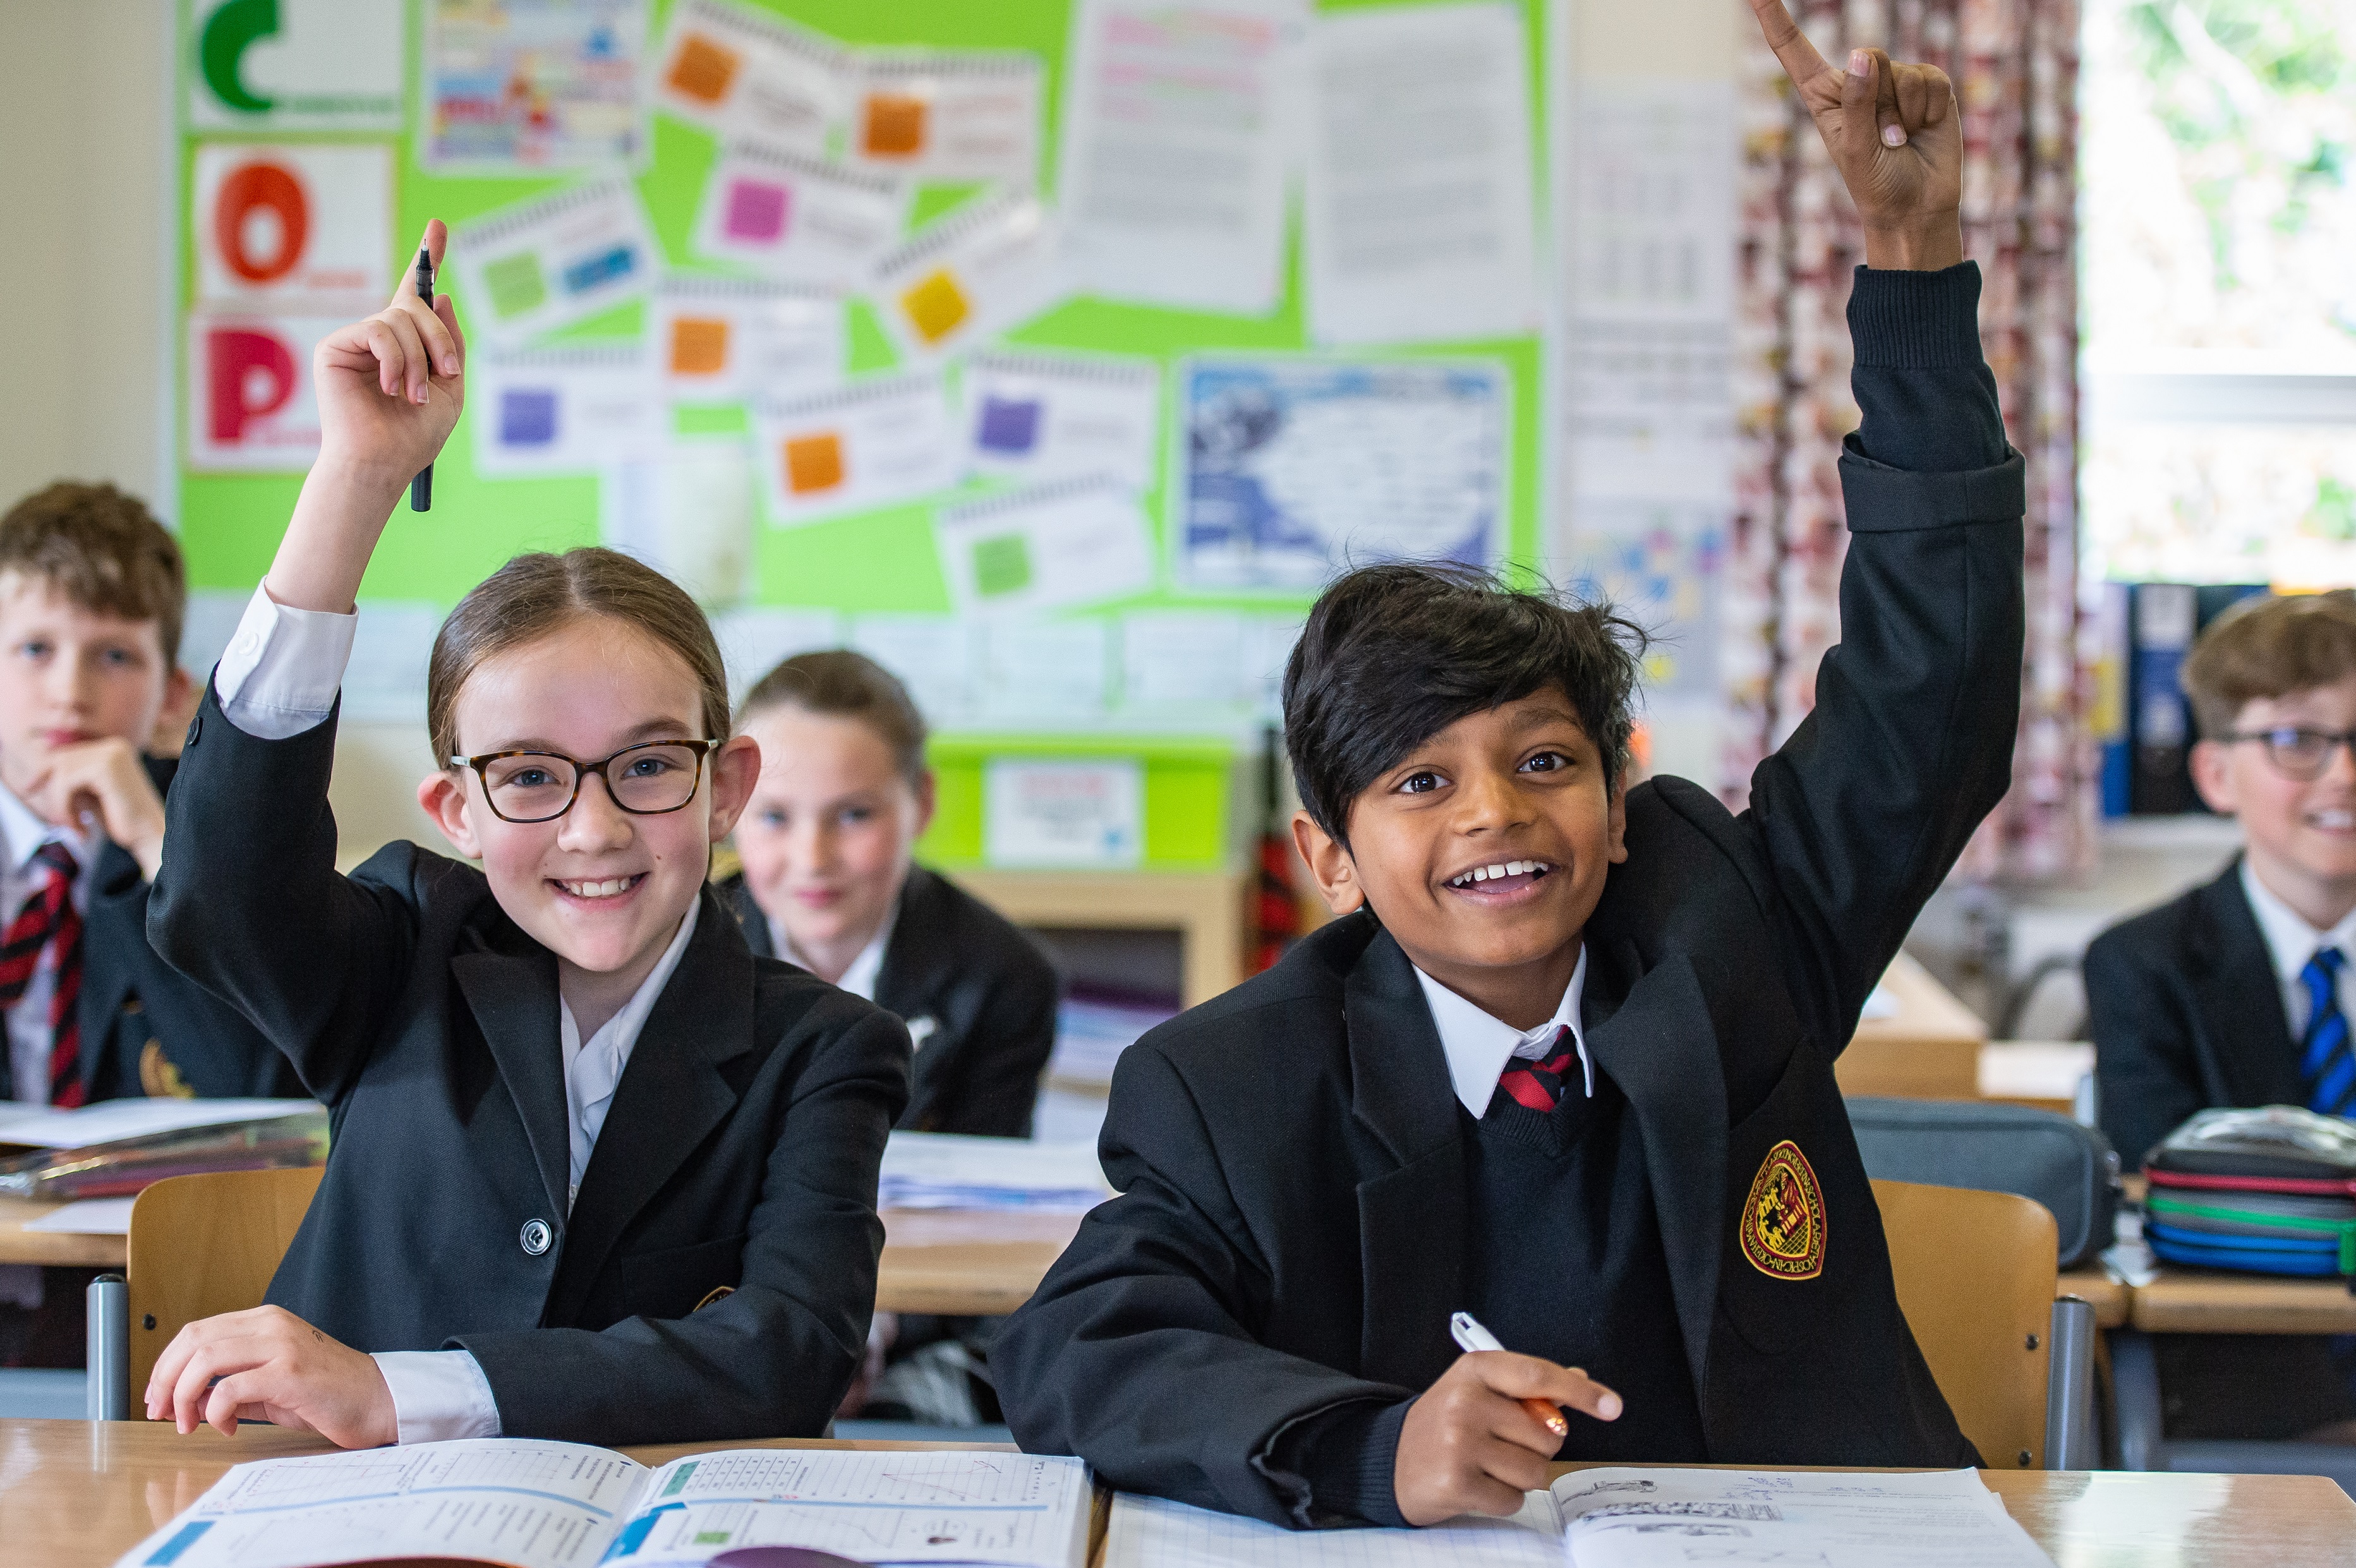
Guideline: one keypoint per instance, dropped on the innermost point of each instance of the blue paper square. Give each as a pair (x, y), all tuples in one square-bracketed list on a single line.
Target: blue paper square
[(527, 417), (1009, 426)]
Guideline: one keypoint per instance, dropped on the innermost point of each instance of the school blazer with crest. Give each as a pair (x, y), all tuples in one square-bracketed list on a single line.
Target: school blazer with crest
[(1290, 1234), (716, 1274), (978, 995)]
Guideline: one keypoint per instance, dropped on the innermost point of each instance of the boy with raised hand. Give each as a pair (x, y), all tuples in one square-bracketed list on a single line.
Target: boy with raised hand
[(1566, 1060)]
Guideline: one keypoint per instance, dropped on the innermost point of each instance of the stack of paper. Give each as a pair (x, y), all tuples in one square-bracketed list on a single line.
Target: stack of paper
[(940, 1170)]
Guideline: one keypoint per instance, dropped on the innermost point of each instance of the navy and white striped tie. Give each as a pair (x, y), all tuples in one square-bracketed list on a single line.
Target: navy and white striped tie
[(2326, 1064)]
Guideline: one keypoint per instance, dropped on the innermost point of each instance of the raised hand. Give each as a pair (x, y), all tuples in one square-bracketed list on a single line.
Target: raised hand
[(1897, 137), (391, 387)]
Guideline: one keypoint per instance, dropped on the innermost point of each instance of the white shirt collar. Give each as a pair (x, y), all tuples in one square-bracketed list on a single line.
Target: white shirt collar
[(2290, 941), (593, 1067), (23, 832), (1478, 1045), (860, 978)]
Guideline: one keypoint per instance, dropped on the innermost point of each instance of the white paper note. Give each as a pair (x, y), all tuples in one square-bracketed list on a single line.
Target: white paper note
[(292, 228), (250, 403), (1050, 672), (574, 408), (1418, 193), (685, 509), (1059, 416), (1175, 129), (747, 73), (86, 1217), (985, 267), (1296, 468), (722, 339), (946, 114), (1044, 548), (1062, 814), (868, 444), (795, 220), (935, 657), (524, 88), (1184, 661), (547, 263), (755, 639), (948, 1170), (112, 1119)]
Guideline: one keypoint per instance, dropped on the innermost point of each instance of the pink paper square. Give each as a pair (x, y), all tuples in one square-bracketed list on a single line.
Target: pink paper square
[(756, 212)]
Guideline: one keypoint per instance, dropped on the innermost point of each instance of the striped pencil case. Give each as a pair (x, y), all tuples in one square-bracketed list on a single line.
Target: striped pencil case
[(2269, 1190)]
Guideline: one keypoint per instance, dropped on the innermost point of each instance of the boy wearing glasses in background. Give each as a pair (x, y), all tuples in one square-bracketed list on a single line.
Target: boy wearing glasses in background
[(2239, 992)]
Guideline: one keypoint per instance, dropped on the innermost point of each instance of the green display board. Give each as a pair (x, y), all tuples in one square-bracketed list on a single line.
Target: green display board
[(883, 560)]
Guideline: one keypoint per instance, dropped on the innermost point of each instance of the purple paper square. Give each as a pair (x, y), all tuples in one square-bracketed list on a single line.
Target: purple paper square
[(527, 417), (756, 212), (1009, 426)]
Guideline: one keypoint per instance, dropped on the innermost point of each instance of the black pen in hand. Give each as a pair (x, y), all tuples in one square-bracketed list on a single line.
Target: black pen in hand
[(421, 489)]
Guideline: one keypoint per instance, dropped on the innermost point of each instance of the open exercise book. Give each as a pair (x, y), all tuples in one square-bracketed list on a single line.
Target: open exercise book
[(557, 1505), (1627, 1519)]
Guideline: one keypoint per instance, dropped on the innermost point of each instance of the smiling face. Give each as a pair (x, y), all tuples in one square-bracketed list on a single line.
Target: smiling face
[(2300, 833), (1483, 852), (826, 835), (603, 888), (70, 675)]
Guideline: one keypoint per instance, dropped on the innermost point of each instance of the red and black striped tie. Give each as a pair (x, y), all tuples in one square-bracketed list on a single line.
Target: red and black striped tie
[(49, 916), (1539, 1085)]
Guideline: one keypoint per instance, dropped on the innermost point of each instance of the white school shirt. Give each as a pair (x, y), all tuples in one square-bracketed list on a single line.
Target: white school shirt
[(860, 978), (277, 678), (1478, 1045), (22, 835), (2291, 942)]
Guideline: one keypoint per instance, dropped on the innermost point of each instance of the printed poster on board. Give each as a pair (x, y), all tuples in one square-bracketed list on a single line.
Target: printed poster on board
[(292, 228), (250, 403), (527, 89), (294, 65)]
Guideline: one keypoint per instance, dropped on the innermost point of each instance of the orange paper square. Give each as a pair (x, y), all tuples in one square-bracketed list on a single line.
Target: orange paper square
[(704, 70), (894, 126), (935, 305), (698, 345), (813, 463)]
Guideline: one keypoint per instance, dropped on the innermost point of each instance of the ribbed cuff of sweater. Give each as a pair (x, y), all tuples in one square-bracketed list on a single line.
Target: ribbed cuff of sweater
[(1916, 321), (1348, 1455)]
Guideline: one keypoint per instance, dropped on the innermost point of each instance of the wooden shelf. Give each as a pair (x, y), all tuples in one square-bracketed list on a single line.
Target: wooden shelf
[(1206, 909)]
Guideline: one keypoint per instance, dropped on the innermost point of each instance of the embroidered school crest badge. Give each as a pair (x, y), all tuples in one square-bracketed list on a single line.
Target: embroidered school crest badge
[(1784, 1220)]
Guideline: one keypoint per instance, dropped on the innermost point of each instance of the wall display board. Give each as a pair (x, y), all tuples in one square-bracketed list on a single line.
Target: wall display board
[(1054, 352)]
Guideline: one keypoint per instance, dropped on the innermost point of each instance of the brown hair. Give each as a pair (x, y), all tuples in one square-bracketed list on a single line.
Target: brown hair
[(104, 552), (851, 686), (533, 595), (2269, 646)]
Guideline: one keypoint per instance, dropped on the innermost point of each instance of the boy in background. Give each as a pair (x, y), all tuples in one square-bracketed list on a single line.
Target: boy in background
[(2237, 992)]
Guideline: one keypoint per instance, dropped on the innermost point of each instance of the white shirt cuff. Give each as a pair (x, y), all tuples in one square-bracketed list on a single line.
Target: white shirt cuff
[(280, 673), (438, 1395)]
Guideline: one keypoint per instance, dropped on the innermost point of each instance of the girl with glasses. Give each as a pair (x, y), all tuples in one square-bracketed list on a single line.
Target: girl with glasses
[(598, 1173)]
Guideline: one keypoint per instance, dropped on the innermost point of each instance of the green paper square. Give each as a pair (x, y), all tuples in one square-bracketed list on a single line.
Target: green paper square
[(1001, 565), (515, 284)]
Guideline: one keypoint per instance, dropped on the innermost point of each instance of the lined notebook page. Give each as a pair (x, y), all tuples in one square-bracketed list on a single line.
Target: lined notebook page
[(1151, 1531)]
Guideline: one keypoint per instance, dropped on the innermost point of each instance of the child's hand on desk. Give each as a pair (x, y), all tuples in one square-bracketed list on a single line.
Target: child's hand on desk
[(104, 783), (391, 387), (270, 1366), (1896, 136), (1468, 1445)]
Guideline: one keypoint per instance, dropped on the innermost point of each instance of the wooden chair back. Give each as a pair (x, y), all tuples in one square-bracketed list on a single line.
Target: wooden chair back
[(206, 1244), (1976, 1273)]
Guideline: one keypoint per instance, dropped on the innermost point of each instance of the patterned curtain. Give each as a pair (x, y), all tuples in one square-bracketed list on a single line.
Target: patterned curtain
[(2015, 64)]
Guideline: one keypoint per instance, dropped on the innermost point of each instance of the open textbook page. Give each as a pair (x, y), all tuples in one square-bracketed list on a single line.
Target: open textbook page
[(1626, 1519), (531, 1504)]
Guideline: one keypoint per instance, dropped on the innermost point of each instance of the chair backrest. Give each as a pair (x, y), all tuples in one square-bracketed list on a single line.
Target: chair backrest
[(1997, 1148), (1975, 1274), (206, 1244)]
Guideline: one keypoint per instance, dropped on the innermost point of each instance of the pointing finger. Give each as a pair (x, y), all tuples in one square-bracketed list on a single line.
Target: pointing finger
[(1793, 50)]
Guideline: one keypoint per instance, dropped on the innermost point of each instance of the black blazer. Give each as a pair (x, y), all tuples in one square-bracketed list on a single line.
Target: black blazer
[(2187, 1013), (146, 1029), (1290, 1234), (978, 995), (740, 1153)]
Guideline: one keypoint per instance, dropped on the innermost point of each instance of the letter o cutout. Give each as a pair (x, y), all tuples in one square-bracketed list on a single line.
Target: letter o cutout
[(254, 185)]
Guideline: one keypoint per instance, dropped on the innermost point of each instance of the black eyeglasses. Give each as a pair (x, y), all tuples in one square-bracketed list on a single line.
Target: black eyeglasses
[(657, 776), (2299, 753)]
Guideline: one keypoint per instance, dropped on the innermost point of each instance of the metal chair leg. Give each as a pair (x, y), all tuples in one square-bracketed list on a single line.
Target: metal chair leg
[(2135, 1371), (2072, 1436), (109, 1322)]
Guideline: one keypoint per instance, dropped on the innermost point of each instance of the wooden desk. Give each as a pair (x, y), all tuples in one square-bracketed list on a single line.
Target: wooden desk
[(2112, 1300), (2196, 1301), (1928, 1050), (934, 1260), (78, 1495)]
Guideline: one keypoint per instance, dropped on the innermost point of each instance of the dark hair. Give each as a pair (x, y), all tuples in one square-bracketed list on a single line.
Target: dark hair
[(2268, 646), (1393, 654), (850, 686), (104, 552), (533, 595)]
